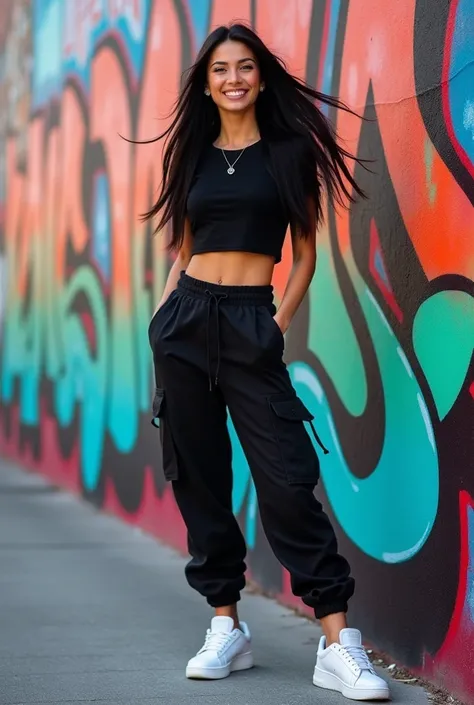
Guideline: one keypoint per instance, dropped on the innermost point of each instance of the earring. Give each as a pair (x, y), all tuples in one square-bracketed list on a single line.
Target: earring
[(207, 92), (262, 88)]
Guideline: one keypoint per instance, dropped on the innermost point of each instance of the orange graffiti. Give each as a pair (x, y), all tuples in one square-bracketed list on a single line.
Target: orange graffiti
[(440, 231)]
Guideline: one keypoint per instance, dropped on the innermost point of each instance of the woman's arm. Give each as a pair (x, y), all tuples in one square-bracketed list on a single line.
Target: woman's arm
[(304, 264), (181, 262)]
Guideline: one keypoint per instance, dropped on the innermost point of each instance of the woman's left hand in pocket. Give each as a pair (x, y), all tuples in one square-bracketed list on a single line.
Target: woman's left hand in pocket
[(280, 323)]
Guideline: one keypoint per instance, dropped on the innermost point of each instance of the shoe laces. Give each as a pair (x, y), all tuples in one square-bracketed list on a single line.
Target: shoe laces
[(215, 641), (357, 656)]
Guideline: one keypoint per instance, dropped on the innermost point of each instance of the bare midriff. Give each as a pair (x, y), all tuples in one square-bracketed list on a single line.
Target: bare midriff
[(232, 268)]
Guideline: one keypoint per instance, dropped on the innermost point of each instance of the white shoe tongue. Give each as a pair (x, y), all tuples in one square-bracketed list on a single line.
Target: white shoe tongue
[(350, 637), (222, 624)]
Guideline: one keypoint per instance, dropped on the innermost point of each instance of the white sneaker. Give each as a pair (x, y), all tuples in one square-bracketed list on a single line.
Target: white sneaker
[(345, 667), (225, 650)]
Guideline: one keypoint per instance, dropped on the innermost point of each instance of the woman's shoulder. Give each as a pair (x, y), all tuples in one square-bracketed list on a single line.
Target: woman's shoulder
[(293, 148), (294, 157), (205, 155), (206, 150), (296, 144)]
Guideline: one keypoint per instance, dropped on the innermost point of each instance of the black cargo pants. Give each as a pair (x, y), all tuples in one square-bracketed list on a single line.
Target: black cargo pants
[(217, 348)]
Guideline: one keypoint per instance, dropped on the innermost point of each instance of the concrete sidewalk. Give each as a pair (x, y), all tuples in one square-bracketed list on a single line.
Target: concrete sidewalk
[(91, 610)]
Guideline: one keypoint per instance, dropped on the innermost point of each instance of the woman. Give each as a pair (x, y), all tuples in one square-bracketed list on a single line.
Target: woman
[(248, 154)]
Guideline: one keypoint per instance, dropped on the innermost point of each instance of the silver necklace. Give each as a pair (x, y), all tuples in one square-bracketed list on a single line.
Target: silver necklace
[(231, 169)]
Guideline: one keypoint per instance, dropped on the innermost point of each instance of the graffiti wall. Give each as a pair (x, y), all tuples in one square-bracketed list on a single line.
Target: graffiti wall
[(382, 348)]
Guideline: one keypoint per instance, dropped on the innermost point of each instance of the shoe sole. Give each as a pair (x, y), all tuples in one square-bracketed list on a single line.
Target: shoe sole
[(328, 681), (242, 662)]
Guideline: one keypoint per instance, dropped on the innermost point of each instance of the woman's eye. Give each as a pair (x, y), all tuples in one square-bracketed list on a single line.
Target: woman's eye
[(248, 67), (219, 69)]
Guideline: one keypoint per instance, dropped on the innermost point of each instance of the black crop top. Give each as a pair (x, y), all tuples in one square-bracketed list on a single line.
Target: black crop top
[(240, 212)]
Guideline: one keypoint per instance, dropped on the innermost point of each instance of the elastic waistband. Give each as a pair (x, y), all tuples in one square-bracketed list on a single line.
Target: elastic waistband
[(253, 295)]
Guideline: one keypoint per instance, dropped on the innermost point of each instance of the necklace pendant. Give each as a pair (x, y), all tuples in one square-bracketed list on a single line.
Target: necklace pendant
[(230, 170)]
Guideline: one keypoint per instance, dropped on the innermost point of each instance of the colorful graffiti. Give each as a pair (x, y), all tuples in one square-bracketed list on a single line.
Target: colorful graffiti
[(382, 348)]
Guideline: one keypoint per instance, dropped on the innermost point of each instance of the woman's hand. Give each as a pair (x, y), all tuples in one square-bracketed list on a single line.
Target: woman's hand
[(180, 264), (162, 302), (282, 325), (304, 263)]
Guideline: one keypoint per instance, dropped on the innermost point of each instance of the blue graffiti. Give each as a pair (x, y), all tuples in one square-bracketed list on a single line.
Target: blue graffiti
[(461, 77), (402, 492), (101, 248)]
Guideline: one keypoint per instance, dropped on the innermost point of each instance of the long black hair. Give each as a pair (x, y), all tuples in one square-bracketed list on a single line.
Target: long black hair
[(301, 147)]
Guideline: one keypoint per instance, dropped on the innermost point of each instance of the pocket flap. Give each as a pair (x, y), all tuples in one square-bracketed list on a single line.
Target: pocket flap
[(291, 409), (158, 406)]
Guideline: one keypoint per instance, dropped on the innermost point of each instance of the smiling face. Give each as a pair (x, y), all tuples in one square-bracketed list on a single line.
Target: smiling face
[(233, 77)]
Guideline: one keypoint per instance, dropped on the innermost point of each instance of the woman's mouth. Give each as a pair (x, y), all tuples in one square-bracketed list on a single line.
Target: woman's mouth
[(235, 94)]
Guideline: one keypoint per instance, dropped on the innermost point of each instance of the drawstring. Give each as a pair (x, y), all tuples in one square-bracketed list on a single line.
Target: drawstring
[(217, 298), (319, 441)]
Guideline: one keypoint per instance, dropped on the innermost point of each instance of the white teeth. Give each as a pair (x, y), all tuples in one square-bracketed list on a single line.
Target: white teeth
[(234, 93)]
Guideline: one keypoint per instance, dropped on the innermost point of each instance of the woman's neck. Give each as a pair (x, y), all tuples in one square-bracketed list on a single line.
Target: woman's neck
[(237, 131)]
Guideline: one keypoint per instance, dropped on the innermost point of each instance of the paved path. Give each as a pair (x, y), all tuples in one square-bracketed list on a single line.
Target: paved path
[(92, 610)]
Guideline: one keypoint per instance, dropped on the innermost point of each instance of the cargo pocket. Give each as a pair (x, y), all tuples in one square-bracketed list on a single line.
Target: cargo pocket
[(169, 459), (300, 461)]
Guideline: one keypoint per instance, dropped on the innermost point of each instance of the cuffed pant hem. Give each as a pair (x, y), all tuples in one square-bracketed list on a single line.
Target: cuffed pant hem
[(223, 601), (322, 611)]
